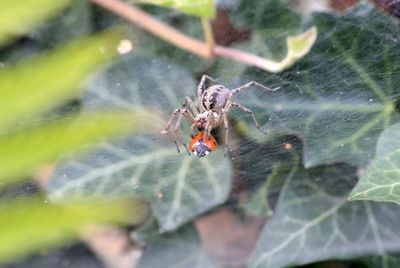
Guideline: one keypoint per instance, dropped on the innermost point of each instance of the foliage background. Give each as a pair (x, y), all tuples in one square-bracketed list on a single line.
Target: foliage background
[(333, 138)]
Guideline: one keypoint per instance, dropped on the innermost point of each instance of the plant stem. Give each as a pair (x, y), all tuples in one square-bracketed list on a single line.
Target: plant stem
[(208, 35), (179, 39), (154, 26)]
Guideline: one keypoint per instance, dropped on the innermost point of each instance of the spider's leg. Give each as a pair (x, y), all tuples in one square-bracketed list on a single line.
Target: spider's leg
[(250, 84), (226, 127), (189, 104), (250, 112), (166, 130), (192, 127), (200, 87), (178, 124), (208, 128)]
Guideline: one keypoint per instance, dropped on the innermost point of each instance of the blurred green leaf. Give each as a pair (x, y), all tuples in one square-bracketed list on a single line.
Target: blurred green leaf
[(200, 8), (181, 248), (313, 221), (24, 150), (31, 224), (381, 182), (179, 186), (38, 84), (18, 17)]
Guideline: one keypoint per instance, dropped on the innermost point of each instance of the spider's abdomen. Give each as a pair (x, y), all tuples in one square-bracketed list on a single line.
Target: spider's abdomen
[(215, 97)]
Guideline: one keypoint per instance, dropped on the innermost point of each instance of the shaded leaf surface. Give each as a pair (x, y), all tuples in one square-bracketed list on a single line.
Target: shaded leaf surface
[(313, 221), (181, 249), (340, 97), (178, 186), (382, 179), (73, 22)]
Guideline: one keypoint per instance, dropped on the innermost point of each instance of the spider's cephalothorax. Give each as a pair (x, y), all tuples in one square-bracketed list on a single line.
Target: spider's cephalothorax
[(215, 103)]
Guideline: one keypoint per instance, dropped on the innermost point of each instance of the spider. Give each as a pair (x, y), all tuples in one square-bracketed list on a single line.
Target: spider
[(215, 103)]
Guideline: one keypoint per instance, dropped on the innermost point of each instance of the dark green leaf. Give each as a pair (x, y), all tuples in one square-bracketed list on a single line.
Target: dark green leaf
[(313, 221), (340, 97), (71, 23), (179, 186)]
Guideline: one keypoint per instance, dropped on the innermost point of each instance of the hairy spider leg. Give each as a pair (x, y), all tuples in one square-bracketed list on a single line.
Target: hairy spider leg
[(250, 112), (200, 87), (226, 127), (178, 124), (208, 128), (189, 104), (250, 84), (178, 113)]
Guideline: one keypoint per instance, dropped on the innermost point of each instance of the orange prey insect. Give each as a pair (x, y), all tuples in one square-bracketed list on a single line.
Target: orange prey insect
[(201, 145)]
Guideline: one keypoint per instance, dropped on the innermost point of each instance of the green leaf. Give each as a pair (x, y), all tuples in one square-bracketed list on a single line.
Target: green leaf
[(179, 186), (181, 248), (200, 8), (335, 98), (313, 221), (36, 85), (31, 224), (24, 150), (381, 181), (19, 17)]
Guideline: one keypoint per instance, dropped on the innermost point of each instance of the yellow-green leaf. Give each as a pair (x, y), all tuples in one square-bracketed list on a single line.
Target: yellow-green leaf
[(38, 84), (24, 150), (18, 17), (30, 224), (200, 8)]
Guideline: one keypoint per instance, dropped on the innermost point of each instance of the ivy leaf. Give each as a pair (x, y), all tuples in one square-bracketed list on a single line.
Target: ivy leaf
[(340, 97), (181, 248), (178, 186), (73, 22), (313, 221), (20, 17), (31, 224), (382, 178), (200, 8)]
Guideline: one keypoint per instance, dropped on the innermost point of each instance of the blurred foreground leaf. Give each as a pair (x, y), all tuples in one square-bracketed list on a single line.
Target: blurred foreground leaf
[(313, 221), (24, 150), (179, 186), (19, 17), (381, 181), (28, 225), (200, 8), (38, 84)]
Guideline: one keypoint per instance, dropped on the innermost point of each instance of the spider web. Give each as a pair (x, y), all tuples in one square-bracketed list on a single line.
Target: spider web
[(331, 108)]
